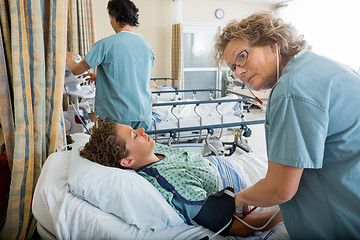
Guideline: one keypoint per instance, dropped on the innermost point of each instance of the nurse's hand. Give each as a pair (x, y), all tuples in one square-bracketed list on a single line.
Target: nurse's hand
[(90, 77), (243, 213), (239, 201)]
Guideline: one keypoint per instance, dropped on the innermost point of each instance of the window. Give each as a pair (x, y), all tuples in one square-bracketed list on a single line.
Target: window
[(332, 28)]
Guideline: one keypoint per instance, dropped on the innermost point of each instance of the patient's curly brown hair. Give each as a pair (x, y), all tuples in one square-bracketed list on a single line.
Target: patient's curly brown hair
[(105, 146)]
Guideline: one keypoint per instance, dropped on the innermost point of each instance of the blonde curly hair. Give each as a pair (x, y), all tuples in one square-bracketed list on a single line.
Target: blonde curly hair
[(105, 146), (260, 29)]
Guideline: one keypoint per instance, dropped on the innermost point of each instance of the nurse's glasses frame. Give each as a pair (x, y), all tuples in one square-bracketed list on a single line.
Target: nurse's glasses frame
[(240, 61)]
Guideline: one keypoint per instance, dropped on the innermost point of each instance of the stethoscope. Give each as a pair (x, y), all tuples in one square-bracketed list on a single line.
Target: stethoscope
[(253, 208), (277, 74)]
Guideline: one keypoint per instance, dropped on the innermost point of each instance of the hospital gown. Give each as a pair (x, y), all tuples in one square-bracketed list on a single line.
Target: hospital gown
[(313, 122), (186, 179)]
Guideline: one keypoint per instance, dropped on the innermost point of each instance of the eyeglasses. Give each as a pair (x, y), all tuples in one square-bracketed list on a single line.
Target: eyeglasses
[(240, 62)]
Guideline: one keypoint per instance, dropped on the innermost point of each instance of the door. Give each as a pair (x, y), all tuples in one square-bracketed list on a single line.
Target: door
[(199, 69)]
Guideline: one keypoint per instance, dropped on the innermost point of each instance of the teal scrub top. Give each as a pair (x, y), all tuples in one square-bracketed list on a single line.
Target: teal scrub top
[(124, 61), (313, 122)]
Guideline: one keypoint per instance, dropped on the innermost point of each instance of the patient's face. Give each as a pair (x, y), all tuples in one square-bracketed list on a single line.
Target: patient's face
[(139, 144)]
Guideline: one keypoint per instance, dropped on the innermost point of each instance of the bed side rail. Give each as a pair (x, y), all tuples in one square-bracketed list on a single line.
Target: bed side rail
[(177, 93), (212, 90), (163, 79), (210, 128), (198, 102)]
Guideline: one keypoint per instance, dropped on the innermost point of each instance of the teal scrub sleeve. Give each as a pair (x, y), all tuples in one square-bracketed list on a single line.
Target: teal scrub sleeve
[(96, 55), (296, 131)]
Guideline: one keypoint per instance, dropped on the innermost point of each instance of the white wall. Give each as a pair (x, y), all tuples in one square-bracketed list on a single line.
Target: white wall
[(330, 27), (204, 10), (156, 18)]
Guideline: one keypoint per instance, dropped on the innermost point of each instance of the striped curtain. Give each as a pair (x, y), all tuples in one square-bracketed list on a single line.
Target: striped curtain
[(177, 62), (32, 67), (81, 28), (6, 116)]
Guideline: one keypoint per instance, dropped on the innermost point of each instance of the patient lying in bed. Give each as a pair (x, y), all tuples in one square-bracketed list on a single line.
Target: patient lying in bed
[(185, 179)]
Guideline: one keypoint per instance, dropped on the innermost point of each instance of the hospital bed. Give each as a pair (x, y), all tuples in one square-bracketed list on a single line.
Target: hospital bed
[(141, 212), (172, 94), (225, 113)]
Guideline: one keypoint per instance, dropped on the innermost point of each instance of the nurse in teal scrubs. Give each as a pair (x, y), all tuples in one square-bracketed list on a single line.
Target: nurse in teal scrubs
[(312, 127), (124, 62)]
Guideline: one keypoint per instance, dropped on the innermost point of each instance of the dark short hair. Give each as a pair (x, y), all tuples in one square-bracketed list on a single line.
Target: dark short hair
[(105, 146), (124, 12)]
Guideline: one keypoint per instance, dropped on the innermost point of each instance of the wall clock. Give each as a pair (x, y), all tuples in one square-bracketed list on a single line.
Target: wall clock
[(219, 13)]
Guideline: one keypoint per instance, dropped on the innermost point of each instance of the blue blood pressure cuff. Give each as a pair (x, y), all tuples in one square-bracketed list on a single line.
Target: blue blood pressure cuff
[(217, 211)]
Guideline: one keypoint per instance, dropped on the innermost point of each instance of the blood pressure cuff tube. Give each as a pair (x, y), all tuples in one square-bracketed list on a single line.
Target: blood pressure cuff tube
[(217, 211)]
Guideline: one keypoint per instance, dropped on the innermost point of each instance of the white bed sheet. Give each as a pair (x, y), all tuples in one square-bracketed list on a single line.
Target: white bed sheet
[(253, 165), (68, 217)]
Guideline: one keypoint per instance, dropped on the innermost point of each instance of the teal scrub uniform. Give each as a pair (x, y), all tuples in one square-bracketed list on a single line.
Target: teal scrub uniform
[(313, 122), (124, 61)]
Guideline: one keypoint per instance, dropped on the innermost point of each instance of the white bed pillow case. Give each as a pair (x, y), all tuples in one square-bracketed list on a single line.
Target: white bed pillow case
[(123, 193)]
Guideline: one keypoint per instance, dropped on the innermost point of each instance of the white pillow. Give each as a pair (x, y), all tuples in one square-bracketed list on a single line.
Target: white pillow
[(123, 193)]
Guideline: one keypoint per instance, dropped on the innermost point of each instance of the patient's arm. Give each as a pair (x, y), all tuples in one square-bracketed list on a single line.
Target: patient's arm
[(257, 219), (76, 68)]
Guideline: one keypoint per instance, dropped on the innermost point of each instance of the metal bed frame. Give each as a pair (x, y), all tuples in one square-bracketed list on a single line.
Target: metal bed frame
[(174, 133)]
